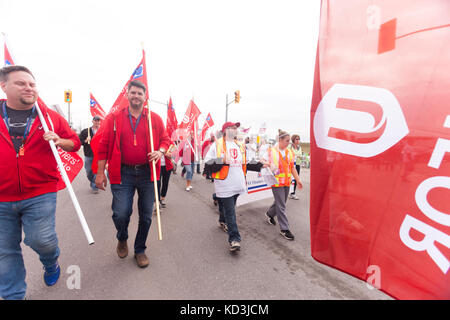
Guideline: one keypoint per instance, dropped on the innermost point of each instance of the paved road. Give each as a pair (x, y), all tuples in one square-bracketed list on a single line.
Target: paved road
[(192, 261)]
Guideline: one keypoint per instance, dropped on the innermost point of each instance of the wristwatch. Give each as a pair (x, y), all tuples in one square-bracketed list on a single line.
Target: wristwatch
[(162, 151)]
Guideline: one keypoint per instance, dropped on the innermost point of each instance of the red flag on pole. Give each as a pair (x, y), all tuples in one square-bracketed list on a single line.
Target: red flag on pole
[(208, 124), (8, 59), (139, 74), (72, 162), (380, 145), (190, 116), (96, 109), (172, 122)]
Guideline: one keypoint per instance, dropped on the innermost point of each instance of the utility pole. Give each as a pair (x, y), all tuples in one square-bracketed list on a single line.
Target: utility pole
[(68, 99), (237, 98)]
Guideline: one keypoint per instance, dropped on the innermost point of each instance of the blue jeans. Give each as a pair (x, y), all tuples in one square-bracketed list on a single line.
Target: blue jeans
[(189, 170), (37, 217), (122, 204), (227, 209), (90, 175)]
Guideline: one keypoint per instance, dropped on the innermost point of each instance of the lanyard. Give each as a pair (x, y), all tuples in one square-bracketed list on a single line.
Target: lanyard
[(134, 127), (29, 120)]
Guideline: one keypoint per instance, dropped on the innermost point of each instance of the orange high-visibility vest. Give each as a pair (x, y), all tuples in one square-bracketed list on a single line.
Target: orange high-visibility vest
[(284, 166), (221, 150)]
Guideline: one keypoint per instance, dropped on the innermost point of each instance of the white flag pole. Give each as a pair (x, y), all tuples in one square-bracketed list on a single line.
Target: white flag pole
[(153, 164), (66, 180)]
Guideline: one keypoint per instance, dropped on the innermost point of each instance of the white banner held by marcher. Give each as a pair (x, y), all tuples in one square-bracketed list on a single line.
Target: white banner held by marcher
[(257, 189), (259, 186)]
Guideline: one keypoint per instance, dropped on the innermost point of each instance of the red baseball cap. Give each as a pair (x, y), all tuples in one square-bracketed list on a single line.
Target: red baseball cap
[(230, 124)]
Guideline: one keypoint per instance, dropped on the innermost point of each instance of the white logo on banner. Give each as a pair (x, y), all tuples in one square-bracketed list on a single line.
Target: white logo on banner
[(328, 116)]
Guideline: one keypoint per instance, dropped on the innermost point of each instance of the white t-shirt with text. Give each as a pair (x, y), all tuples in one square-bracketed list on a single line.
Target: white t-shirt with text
[(235, 181)]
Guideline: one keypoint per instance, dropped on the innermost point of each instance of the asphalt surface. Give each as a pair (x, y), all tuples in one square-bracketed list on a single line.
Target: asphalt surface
[(192, 261)]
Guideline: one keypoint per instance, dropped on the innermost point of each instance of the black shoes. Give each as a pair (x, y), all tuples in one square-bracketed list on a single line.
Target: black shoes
[(287, 234), (271, 220)]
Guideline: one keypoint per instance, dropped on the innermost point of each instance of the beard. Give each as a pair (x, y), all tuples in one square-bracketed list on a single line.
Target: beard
[(136, 105), (27, 101)]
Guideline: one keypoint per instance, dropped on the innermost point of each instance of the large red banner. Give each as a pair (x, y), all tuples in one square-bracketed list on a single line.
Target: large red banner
[(380, 146)]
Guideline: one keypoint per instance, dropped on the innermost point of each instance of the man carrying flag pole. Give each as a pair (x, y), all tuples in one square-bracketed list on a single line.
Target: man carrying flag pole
[(128, 145), (29, 178)]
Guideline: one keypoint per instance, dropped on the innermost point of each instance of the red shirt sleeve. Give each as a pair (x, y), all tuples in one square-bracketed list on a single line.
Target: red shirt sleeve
[(105, 132)]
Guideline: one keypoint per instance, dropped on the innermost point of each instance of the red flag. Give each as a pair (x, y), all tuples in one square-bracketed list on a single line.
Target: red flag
[(245, 131), (190, 116), (96, 109), (172, 122), (8, 59), (72, 162), (380, 144), (208, 124), (140, 74)]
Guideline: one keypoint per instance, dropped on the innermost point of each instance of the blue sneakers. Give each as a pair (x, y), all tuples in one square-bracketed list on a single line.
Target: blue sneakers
[(51, 274)]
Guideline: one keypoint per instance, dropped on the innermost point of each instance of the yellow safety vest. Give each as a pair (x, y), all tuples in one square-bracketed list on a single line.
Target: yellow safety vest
[(284, 166), (221, 150)]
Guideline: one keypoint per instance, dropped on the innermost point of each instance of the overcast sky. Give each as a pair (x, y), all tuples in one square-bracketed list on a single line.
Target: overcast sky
[(201, 49)]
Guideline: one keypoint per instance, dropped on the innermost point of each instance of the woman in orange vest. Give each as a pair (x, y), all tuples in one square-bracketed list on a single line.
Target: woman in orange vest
[(281, 159), (226, 163)]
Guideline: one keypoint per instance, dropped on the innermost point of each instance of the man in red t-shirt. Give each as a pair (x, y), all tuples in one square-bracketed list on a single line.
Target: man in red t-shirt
[(125, 146)]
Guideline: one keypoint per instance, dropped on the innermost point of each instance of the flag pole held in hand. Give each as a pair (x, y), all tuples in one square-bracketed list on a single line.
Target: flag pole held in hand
[(153, 164), (152, 149), (66, 180)]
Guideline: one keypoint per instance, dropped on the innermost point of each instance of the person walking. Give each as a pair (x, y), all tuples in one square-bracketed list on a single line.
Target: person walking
[(86, 136), (166, 170), (280, 160), (205, 148), (28, 181), (125, 147), (188, 160), (297, 150), (226, 163)]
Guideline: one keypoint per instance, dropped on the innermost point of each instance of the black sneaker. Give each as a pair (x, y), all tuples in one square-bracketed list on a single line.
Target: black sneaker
[(287, 234), (271, 220)]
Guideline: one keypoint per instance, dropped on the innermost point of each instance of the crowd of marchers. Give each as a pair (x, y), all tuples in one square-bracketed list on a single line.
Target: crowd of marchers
[(133, 141)]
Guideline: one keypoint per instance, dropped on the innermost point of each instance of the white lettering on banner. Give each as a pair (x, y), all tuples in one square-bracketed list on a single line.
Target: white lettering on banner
[(329, 116), (431, 234), (427, 244), (67, 156), (423, 204), (442, 146)]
